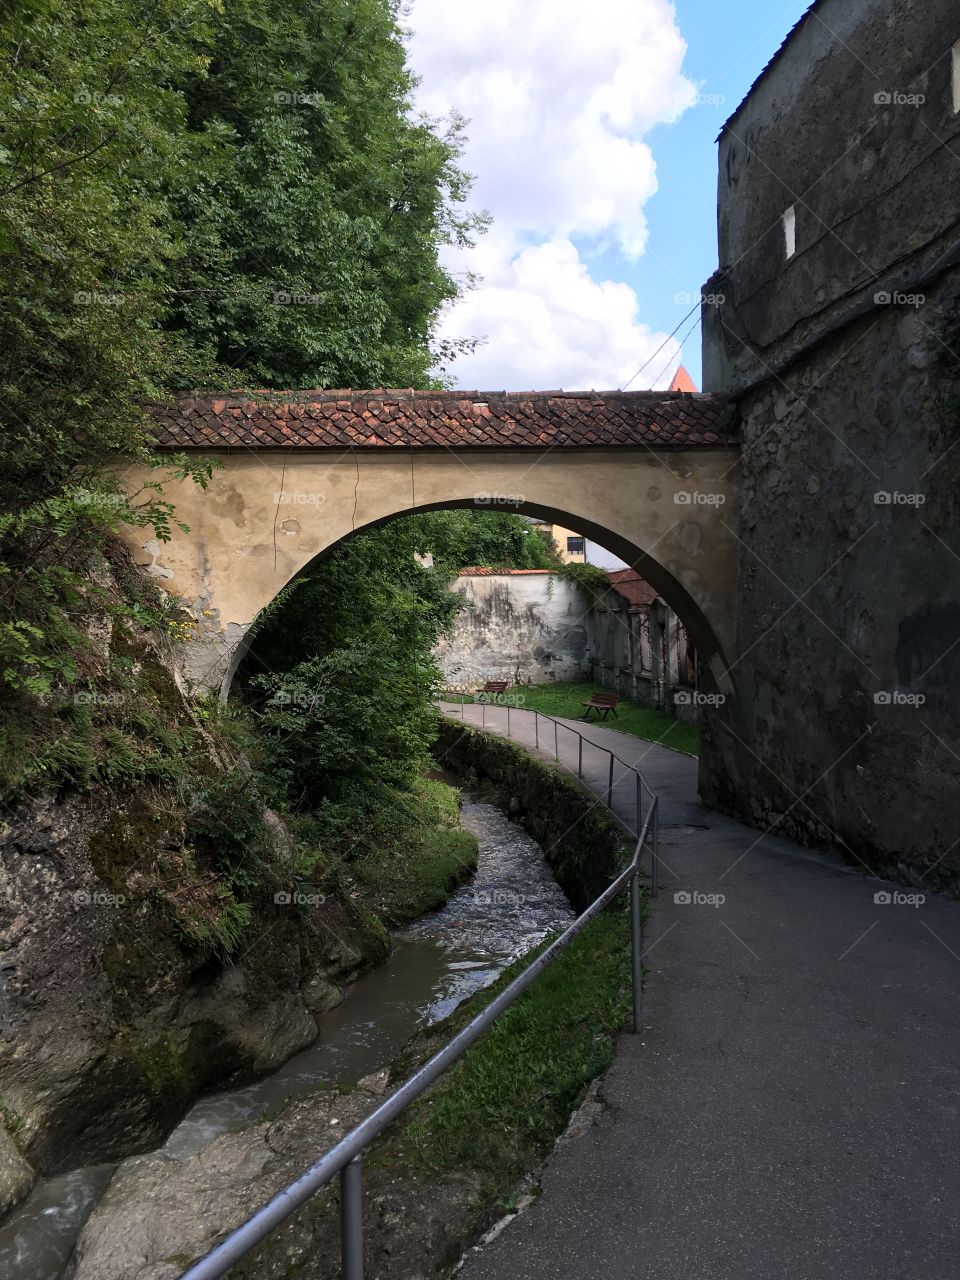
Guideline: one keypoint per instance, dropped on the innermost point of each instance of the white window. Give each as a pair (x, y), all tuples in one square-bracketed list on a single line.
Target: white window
[(790, 230), (956, 77)]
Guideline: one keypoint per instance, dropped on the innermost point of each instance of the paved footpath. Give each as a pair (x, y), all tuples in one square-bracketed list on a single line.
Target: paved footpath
[(790, 1111)]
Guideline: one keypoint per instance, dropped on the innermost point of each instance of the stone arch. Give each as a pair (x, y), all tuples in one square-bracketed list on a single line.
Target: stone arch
[(698, 625)]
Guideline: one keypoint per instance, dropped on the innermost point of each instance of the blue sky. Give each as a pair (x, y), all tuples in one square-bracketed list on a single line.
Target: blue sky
[(728, 45), (592, 138)]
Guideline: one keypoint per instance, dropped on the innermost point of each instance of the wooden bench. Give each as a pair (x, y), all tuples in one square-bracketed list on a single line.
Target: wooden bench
[(603, 704), (492, 689)]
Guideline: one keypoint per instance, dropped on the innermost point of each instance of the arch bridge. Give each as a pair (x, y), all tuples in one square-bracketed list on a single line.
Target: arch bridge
[(652, 476)]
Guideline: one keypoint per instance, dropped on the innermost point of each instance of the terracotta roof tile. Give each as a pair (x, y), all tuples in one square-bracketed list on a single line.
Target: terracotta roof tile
[(451, 419)]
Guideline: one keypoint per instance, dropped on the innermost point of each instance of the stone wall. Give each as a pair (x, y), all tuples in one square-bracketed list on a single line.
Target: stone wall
[(846, 725), (526, 626)]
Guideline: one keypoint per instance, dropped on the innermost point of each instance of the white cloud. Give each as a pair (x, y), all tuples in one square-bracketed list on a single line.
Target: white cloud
[(551, 325), (558, 94)]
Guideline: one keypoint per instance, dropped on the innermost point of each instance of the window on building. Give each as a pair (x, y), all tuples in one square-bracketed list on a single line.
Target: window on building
[(575, 546), (790, 230), (956, 77)]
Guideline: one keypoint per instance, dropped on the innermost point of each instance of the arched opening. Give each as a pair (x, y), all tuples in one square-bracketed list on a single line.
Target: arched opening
[(710, 662)]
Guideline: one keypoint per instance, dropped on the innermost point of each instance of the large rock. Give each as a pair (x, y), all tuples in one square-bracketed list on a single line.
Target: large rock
[(16, 1176)]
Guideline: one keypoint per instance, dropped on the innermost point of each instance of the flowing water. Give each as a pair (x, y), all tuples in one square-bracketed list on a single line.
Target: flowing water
[(510, 904)]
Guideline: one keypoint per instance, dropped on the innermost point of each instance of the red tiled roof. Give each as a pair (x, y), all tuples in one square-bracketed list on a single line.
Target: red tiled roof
[(443, 419), (634, 589), (481, 571)]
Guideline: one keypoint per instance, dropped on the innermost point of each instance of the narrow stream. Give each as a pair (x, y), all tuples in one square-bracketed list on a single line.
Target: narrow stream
[(510, 905)]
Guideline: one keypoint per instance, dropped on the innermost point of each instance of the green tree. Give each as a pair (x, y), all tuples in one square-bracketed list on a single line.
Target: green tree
[(312, 240)]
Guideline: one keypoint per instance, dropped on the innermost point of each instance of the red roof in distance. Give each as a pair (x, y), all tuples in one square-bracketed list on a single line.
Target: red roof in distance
[(683, 382), (634, 589)]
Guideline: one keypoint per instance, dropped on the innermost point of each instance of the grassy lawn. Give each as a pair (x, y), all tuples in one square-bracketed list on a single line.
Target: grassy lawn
[(564, 701)]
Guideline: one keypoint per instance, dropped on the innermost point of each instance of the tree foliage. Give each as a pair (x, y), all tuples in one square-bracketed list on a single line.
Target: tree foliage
[(210, 193), (343, 672)]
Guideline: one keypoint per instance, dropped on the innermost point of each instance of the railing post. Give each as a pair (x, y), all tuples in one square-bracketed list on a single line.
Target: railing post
[(556, 740), (635, 957), (509, 734), (351, 1221), (639, 801), (536, 728), (610, 784), (483, 713), (580, 757)]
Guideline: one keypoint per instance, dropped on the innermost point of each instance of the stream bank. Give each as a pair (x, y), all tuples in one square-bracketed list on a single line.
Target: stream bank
[(445, 1170)]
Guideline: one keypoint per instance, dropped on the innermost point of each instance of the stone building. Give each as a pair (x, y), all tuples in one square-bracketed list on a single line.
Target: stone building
[(640, 648), (834, 320)]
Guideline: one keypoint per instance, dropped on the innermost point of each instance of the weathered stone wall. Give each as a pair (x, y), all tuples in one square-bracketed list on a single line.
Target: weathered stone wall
[(528, 628), (846, 729)]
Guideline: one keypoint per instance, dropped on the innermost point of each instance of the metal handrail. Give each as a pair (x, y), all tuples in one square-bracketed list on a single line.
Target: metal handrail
[(642, 786), (345, 1157)]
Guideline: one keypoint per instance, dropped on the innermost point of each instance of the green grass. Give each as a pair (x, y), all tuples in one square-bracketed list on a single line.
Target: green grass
[(565, 701), (499, 1110), (415, 854)]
